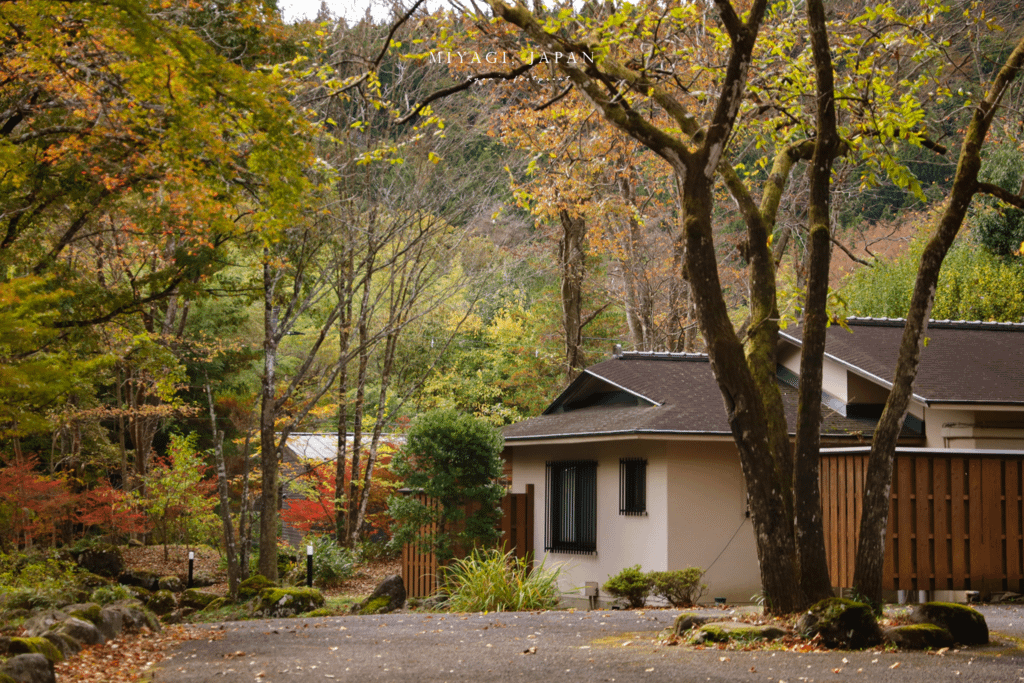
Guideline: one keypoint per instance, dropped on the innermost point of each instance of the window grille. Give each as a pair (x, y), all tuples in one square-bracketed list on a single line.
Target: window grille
[(632, 486), (571, 507)]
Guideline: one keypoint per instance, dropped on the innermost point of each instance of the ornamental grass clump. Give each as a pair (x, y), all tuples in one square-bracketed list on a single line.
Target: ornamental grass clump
[(493, 581)]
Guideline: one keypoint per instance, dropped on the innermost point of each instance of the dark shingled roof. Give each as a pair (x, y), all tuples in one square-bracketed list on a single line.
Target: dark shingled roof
[(963, 362), (674, 394)]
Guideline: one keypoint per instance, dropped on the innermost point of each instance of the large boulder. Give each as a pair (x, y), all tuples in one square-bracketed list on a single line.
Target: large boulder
[(85, 632), (387, 597), (105, 560), (68, 646), (162, 602), (170, 583), (918, 637), (253, 586), (41, 622), (841, 623), (42, 646), (31, 668), (134, 617), (141, 578), (287, 602), (965, 624), (196, 600)]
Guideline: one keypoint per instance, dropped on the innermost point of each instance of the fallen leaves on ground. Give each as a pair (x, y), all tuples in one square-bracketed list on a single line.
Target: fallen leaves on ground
[(125, 658)]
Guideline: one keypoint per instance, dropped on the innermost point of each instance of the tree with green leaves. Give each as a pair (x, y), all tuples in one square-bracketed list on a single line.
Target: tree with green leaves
[(453, 459)]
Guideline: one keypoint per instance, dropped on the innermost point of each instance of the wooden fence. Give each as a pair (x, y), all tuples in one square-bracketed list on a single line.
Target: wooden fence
[(419, 569), (955, 520)]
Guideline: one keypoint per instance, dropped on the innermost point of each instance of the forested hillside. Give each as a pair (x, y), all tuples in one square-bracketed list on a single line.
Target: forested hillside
[(217, 229)]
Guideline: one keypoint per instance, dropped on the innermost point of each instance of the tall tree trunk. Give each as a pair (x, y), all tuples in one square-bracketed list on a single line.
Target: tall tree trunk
[(222, 490), (346, 275), (867, 575), (810, 535), (387, 368), (355, 485), (572, 261), (769, 508), (268, 444)]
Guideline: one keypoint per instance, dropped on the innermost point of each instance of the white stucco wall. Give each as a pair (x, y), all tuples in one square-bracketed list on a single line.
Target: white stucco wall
[(695, 504)]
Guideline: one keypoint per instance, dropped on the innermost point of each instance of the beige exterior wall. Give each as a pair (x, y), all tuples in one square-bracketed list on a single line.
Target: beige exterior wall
[(708, 521), (833, 379), (695, 503)]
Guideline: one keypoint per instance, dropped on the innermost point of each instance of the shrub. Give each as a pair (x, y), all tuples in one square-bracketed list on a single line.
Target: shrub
[(454, 459), (492, 581), (681, 587), (105, 595), (332, 563), (632, 584)]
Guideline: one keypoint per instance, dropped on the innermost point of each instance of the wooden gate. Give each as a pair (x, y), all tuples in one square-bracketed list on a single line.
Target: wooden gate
[(419, 569), (955, 520)]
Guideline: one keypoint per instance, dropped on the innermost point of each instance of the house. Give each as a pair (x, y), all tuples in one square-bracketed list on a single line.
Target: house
[(649, 431), (308, 460)]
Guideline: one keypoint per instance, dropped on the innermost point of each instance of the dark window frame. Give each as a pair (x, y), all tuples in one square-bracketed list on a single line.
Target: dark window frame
[(570, 510), (633, 486)]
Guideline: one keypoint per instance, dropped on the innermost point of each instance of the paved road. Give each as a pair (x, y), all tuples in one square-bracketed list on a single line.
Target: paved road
[(569, 647)]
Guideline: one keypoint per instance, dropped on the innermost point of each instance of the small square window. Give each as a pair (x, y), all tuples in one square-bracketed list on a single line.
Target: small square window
[(632, 486)]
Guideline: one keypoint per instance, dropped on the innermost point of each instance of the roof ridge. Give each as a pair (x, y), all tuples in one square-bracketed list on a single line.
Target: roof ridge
[(938, 324), (663, 355)]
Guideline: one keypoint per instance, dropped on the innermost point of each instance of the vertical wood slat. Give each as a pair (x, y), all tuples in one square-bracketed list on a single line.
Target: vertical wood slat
[(1014, 571), (977, 538), (958, 521), (419, 569), (992, 523), (905, 530), (940, 520), (923, 523), (827, 514)]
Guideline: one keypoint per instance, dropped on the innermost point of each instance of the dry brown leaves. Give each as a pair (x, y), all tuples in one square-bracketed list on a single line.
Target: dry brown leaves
[(126, 658)]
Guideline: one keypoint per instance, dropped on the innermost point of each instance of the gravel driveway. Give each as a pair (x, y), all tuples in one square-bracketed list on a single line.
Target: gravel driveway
[(562, 646)]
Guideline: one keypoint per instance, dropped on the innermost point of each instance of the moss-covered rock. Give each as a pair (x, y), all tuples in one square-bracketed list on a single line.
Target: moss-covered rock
[(841, 623), (196, 600), (219, 603), (287, 602), (67, 645), (28, 667), (253, 586), (161, 602), (965, 624), (171, 583), (387, 597), (321, 612), (89, 611), (85, 632), (103, 559), (41, 646), (689, 620), (141, 578), (918, 637), (725, 631)]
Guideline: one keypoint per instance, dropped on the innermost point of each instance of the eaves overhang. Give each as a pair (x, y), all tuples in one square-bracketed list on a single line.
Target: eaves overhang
[(857, 370)]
